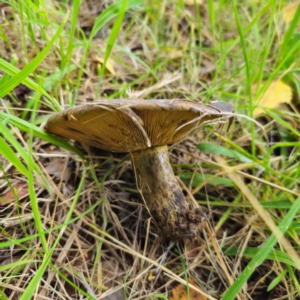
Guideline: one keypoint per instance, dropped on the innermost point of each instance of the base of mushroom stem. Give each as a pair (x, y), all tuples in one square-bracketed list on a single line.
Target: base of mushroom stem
[(175, 216)]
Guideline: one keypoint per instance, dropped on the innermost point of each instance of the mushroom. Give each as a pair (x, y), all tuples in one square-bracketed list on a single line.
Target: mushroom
[(145, 129)]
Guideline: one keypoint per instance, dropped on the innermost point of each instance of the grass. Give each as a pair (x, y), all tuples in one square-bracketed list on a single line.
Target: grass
[(71, 222)]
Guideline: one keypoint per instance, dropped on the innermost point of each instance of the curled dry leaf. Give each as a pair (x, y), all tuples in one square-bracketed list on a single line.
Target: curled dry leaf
[(180, 292), (276, 94)]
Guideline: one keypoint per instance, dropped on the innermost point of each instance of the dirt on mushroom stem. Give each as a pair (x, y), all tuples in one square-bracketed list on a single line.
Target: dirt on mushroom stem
[(174, 215)]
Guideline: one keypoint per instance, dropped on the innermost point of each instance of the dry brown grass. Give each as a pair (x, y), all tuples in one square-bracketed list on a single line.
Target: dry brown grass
[(114, 249)]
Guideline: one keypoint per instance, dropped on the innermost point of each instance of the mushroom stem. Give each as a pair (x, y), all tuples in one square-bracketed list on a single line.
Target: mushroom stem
[(174, 215)]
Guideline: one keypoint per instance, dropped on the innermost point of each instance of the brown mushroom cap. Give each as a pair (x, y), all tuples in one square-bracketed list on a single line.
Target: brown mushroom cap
[(131, 125)]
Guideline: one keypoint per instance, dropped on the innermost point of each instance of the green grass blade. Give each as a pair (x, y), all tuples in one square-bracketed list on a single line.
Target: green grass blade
[(262, 254), (114, 34), (247, 69), (75, 10), (30, 289), (20, 241), (9, 154), (199, 179), (276, 255), (276, 280), (220, 150), (290, 31), (284, 123), (110, 13), (111, 40), (16, 264), (10, 69), (38, 132), (31, 183), (20, 149), (27, 70)]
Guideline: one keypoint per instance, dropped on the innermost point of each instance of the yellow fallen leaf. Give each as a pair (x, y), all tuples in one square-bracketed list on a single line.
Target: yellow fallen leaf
[(289, 10), (109, 64), (179, 292), (192, 2), (276, 94)]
